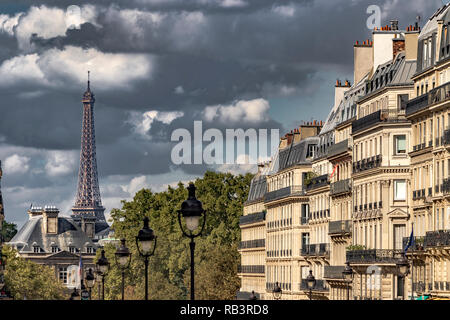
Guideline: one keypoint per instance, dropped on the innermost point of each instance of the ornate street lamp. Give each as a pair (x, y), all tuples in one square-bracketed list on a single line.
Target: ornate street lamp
[(90, 281), (311, 283), (102, 269), (123, 259), (146, 237), (277, 292), (192, 210), (75, 295), (253, 296), (402, 271), (347, 275)]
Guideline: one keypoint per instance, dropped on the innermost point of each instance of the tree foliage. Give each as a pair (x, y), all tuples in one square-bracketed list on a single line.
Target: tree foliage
[(27, 280), (216, 255), (8, 231)]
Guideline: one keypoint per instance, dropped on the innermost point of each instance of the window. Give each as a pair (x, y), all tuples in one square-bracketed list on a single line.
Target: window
[(400, 144), (400, 190), (402, 100), (72, 249), (55, 249), (310, 151), (89, 250), (63, 275), (36, 249)]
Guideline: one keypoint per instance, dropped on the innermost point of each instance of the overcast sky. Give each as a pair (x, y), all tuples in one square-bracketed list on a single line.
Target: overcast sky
[(158, 65)]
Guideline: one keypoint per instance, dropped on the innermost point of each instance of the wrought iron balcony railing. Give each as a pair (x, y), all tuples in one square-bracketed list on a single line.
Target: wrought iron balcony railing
[(252, 244), (366, 164), (437, 95), (439, 238), (372, 256), (317, 182), (341, 187), (339, 227), (384, 115), (251, 269), (321, 285), (252, 218), (320, 249), (333, 272), (417, 246), (284, 192), (338, 148)]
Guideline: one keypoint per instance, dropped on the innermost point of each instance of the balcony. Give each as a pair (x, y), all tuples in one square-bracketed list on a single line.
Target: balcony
[(446, 141), (419, 287), (341, 187), (333, 272), (252, 244), (446, 186), (372, 119), (284, 192), (339, 227), (439, 238), (284, 286), (319, 250), (252, 218), (305, 220), (437, 95), (321, 285), (417, 246), (317, 182), (373, 256), (367, 164), (338, 148), (251, 269)]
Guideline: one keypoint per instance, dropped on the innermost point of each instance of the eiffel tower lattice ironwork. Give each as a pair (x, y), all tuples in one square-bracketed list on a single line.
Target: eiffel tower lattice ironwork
[(88, 201)]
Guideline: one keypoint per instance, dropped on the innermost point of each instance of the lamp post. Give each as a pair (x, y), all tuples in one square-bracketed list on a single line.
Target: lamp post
[(102, 269), (123, 259), (311, 283), (403, 270), (347, 275), (2, 268), (192, 210), (277, 292), (145, 237), (90, 281)]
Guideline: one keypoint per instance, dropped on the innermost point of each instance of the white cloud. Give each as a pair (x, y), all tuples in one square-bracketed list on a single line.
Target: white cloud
[(179, 90), (233, 3), (8, 23), (287, 11), (60, 163), (46, 23), (142, 122), (243, 165), (251, 111), (58, 68), (16, 164)]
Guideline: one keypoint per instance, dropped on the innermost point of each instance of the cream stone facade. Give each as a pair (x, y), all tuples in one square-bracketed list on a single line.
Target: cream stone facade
[(379, 173)]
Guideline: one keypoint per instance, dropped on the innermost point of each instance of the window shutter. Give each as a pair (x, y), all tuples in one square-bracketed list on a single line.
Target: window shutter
[(433, 49)]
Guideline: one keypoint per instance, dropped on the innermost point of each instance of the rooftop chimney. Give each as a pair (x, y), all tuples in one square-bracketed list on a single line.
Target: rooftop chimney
[(394, 25)]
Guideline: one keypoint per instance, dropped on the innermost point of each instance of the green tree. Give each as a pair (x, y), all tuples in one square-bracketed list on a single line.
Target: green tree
[(27, 280), (8, 231), (222, 195)]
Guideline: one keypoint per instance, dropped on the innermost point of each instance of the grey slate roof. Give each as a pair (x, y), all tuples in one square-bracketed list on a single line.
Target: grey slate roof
[(296, 153), (69, 235)]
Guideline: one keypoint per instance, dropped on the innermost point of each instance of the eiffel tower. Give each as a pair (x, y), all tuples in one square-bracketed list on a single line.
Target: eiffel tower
[(88, 204)]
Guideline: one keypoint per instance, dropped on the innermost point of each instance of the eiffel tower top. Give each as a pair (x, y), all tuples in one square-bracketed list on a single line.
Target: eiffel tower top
[(88, 96)]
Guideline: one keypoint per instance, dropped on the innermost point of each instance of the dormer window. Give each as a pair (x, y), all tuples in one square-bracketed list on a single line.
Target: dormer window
[(36, 249), (72, 249), (55, 249), (90, 250)]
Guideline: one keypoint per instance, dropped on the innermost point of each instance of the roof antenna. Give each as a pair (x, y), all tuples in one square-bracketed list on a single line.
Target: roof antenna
[(89, 80)]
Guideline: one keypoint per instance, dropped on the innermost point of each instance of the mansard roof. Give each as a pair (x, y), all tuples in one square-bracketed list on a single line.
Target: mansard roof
[(69, 235), (296, 153)]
